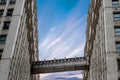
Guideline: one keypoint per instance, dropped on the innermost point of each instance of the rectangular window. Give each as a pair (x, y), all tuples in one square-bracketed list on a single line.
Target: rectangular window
[(3, 2), (115, 3), (1, 51), (6, 25), (117, 31), (12, 1), (1, 12), (3, 39), (9, 12), (117, 46), (118, 61), (116, 16)]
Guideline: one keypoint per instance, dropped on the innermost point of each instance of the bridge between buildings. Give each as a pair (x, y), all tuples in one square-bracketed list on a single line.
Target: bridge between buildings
[(59, 65)]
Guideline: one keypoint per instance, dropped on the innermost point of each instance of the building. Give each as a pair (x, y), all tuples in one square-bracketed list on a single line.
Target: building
[(18, 39), (103, 40)]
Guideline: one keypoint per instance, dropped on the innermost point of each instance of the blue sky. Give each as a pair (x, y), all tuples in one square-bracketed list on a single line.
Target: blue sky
[(61, 26)]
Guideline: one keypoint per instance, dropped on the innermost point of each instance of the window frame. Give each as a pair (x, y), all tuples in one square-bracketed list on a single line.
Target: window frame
[(117, 45), (1, 52), (115, 3), (118, 63), (3, 39), (6, 25), (3, 2), (116, 16), (117, 30), (12, 2), (9, 12), (1, 12)]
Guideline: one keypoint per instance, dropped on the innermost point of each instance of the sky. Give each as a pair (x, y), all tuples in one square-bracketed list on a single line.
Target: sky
[(61, 28)]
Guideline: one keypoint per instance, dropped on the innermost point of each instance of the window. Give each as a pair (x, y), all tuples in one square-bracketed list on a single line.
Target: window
[(115, 3), (9, 12), (12, 1), (117, 31), (116, 16), (1, 51), (117, 46), (118, 61), (6, 25), (1, 12), (3, 39), (3, 2)]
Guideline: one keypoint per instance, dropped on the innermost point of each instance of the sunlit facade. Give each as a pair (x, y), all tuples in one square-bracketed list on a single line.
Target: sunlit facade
[(103, 40), (18, 39)]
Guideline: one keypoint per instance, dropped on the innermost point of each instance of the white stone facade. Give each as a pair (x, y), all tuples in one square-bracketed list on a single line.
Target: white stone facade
[(101, 40), (17, 52)]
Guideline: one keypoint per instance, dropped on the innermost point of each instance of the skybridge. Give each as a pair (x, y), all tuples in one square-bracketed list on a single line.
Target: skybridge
[(59, 65)]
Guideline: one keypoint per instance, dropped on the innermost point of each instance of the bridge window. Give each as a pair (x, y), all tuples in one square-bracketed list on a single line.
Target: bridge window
[(40, 62), (50, 62), (115, 3), (62, 60), (116, 16)]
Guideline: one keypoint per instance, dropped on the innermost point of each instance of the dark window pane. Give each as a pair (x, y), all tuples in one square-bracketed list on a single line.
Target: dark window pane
[(3, 39), (3, 2), (118, 64), (115, 0), (6, 25), (9, 12), (1, 13), (1, 51), (12, 1)]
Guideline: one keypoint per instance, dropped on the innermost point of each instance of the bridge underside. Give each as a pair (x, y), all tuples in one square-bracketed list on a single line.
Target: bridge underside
[(59, 65), (58, 69)]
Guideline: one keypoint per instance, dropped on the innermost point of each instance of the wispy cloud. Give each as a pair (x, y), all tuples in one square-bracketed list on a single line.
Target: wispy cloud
[(44, 43), (65, 43), (76, 51), (61, 33), (54, 42)]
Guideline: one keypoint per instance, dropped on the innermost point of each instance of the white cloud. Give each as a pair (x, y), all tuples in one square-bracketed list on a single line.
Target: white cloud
[(52, 29)]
